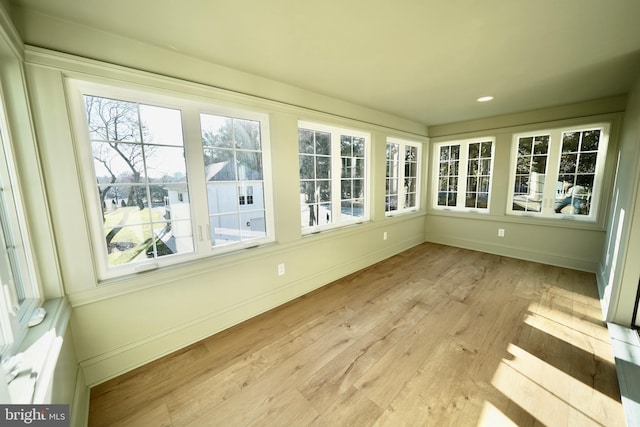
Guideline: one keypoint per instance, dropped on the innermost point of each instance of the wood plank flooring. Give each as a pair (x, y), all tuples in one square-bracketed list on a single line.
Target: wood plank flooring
[(434, 336)]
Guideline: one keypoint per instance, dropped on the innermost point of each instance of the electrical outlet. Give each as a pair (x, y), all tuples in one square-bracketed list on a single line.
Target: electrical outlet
[(384, 235), (500, 232), (280, 269)]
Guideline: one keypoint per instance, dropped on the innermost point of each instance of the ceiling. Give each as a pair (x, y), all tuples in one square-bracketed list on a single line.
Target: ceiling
[(425, 60)]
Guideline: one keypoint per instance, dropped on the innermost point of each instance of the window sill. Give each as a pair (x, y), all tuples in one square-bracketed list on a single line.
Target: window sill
[(563, 222), (38, 356)]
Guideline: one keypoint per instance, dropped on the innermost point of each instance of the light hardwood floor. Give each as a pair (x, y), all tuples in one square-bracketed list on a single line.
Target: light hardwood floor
[(433, 336)]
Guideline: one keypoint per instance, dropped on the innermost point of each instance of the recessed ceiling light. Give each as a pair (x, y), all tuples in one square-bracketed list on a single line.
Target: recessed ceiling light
[(485, 98)]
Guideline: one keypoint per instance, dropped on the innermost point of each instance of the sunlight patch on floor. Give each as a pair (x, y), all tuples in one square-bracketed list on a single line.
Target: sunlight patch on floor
[(490, 416), (575, 337), (545, 392)]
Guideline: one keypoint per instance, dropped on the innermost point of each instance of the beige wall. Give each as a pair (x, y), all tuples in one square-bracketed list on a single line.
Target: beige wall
[(128, 322), (620, 269), (564, 243)]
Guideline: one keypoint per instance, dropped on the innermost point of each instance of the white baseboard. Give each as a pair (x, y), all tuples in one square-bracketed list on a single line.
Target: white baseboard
[(556, 259)]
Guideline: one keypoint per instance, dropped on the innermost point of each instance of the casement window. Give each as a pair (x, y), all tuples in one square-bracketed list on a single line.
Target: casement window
[(333, 164), (558, 173), (464, 174), (171, 179), (19, 294), (402, 187)]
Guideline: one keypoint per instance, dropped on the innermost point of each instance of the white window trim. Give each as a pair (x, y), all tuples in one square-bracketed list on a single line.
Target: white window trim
[(13, 316), (336, 168), (403, 143), (553, 163), (462, 179), (190, 110)]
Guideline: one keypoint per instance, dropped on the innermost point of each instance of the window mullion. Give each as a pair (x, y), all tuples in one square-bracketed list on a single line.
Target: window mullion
[(196, 182), (401, 176), (462, 175), (336, 178), (553, 164)]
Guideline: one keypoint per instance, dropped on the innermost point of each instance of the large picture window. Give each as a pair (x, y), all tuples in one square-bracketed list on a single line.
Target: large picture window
[(402, 188), (557, 173), (167, 191), (464, 173), (333, 176)]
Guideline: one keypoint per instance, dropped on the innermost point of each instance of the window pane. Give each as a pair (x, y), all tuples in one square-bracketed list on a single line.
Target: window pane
[(358, 171), (324, 191), (541, 145), (474, 151), (346, 168), (587, 163), (246, 134), (127, 244), (165, 164), (308, 191), (411, 154), (252, 225), (570, 142), (346, 146), (539, 164), (305, 141), (222, 197), (219, 165), (531, 165), (112, 120), (410, 185), (323, 143), (249, 166), (217, 131), (254, 196), (590, 140), (224, 229), (306, 167), (568, 163), (323, 167), (161, 126), (391, 203), (486, 150), (117, 162), (358, 147)]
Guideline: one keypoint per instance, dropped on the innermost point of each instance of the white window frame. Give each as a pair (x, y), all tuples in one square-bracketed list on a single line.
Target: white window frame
[(191, 108), (337, 220), (18, 274), (550, 187), (462, 174), (400, 167)]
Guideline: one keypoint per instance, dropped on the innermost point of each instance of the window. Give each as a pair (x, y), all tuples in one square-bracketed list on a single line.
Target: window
[(233, 165), (173, 179), (333, 176), (464, 174), (19, 294), (557, 173), (403, 163)]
